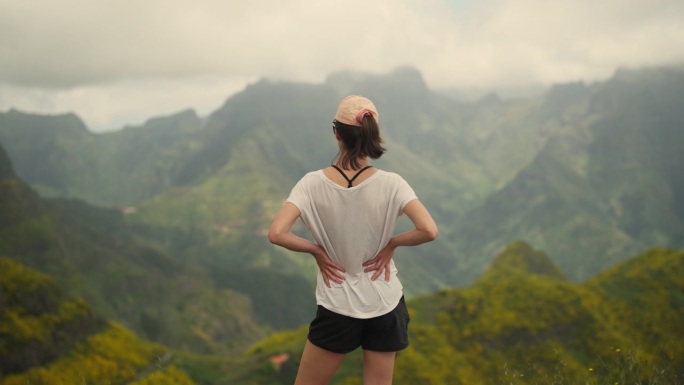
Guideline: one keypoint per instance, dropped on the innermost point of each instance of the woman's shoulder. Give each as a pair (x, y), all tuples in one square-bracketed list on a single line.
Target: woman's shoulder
[(390, 179), (311, 176), (389, 175)]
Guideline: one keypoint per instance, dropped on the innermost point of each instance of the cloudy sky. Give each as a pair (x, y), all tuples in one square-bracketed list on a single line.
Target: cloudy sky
[(119, 62)]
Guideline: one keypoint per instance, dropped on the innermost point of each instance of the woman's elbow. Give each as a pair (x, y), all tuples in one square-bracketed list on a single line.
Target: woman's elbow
[(273, 236), (432, 233), (427, 234)]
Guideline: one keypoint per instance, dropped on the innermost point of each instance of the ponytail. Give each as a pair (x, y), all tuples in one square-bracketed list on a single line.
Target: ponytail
[(359, 142)]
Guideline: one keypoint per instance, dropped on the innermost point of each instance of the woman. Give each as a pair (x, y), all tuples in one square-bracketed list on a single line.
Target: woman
[(351, 210)]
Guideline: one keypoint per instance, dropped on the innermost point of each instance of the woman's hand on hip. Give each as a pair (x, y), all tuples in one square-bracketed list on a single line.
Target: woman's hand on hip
[(380, 263), (330, 270)]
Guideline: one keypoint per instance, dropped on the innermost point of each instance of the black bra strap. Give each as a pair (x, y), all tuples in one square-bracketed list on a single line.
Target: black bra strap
[(352, 179)]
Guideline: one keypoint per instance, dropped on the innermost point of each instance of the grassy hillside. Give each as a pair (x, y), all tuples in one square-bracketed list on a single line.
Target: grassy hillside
[(523, 323)]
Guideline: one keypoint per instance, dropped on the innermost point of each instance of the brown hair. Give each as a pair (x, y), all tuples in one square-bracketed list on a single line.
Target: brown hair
[(359, 142)]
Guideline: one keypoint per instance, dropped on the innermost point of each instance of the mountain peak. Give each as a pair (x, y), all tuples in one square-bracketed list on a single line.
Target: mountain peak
[(185, 114), (67, 121), (187, 119), (519, 258)]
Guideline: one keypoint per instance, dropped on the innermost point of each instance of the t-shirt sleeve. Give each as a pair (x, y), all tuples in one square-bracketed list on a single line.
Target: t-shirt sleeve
[(405, 194), (298, 195)]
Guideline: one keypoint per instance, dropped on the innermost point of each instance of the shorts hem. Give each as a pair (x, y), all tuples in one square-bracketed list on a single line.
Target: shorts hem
[(337, 351), (380, 350)]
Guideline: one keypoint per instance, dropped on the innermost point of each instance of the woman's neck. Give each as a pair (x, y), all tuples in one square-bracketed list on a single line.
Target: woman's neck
[(363, 162)]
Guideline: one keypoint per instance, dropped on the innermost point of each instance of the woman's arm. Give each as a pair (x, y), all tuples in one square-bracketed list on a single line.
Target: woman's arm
[(425, 231), (279, 234)]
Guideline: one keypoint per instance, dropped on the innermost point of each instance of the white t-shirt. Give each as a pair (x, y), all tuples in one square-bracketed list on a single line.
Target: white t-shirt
[(353, 225)]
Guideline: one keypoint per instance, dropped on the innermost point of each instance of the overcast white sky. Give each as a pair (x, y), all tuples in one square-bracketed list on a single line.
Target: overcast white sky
[(117, 62)]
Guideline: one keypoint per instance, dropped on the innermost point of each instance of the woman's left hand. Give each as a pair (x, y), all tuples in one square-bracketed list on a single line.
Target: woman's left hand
[(380, 263), (330, 270)]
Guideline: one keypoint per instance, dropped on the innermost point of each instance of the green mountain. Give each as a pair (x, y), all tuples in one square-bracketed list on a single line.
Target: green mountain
[(523, 323), (588, 172), (120, 269), (606, 184), (228, 177)]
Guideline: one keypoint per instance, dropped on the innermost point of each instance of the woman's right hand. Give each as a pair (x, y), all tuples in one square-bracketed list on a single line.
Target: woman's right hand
[(330, 270), (380, 263)]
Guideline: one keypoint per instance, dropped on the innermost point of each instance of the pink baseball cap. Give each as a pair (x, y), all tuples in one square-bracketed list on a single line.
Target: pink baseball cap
[(353, 108)]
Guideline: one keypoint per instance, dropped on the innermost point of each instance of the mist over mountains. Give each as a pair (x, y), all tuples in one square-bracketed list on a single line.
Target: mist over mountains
[(603, 157), (590, 173)]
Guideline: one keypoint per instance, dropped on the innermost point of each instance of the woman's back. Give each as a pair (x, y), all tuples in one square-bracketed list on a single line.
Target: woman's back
[(353, 225)]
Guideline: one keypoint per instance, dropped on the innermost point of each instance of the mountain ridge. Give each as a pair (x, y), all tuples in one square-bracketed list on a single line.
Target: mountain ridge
[(585, 171)]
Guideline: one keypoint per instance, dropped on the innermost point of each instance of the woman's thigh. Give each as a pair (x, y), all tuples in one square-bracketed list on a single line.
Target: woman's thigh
[(317, 365), (378, 367)]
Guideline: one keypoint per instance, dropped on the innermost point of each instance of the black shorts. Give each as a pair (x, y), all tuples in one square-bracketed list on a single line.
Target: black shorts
[(342, 334)]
